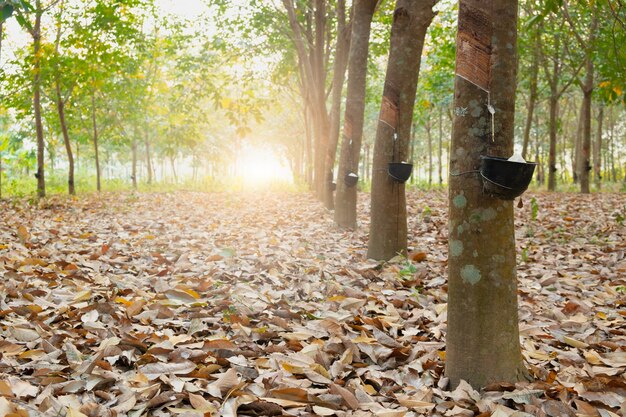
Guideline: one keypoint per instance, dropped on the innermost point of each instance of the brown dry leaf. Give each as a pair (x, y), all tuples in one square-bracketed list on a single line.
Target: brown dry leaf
[(22, 234), (155, 370), (347, 396), (418, 256), (284, 403), (73, 412), (199, 403), (132, 299), (292, 394), (225, 382)]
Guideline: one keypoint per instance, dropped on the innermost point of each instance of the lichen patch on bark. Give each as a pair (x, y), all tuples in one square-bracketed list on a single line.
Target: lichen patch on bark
[(470, 274)]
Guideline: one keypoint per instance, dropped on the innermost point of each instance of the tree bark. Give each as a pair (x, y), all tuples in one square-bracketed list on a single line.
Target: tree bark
[(612, 145), (388, 228), (539, 156), (429, 136), (95, 139), (482, 342), (577, 144), (597, 149), (173, 165), (41, 178), (148, 158), (584, 161), (532, 99), (440, 159), (587, 87), (366, 163), (322, 122), (312, 63), (309, 147), (552, 125), (60, 103), (346, 197), (134, 167), (553, 77), (66, 138), (339, 75)]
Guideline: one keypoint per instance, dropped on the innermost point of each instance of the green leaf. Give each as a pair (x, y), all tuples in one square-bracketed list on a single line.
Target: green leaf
[(534, 20), (7, 11), (23, 22), (26, 5)]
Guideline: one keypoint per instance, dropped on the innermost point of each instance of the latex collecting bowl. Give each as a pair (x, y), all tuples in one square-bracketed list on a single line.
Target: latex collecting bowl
[(505, 179), (400, 171), (351, 179)]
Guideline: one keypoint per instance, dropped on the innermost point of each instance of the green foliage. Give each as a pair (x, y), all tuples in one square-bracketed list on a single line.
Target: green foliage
[(525, 255), (6, 10), (196, 91), (534, 208), (407, 271), (9, 8)]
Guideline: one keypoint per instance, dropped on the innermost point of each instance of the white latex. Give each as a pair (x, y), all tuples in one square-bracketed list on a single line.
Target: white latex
[(517, 158)]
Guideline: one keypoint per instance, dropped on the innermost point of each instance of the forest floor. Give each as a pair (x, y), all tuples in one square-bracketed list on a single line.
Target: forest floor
[(191, 304)]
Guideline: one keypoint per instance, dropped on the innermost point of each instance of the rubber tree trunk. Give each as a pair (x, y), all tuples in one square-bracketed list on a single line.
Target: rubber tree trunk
[(311, 48), (173, 165), (482, 342), (322, 122), (429, 136), (66, 138), (339, 75), (133, 176), (584, 161), (36, 33), (95, 140), (532, 99), (148, 158), (388, 229), (552, 126), (577, 144), (553, 77), (611, 146), (440, 153), (597, 149), (345, 204)]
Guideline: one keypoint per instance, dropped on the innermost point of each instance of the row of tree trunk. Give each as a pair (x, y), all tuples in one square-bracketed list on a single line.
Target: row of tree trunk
[(410, 23), (483, 336)]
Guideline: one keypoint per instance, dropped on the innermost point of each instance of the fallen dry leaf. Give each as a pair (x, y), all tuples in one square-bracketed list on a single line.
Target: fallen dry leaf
[(244, 304)]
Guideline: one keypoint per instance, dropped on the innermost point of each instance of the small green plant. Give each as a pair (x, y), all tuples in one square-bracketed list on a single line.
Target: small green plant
[(427, 212), (407, 270), (229, 312), (621, 288), (525, 255), (534, 208), (416, 292)]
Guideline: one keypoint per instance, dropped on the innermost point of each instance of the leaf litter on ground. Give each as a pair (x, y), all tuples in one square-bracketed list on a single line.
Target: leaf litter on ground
[(191, 304)]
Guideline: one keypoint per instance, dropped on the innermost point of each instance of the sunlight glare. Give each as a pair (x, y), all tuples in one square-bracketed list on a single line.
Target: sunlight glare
[(260, 166)]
